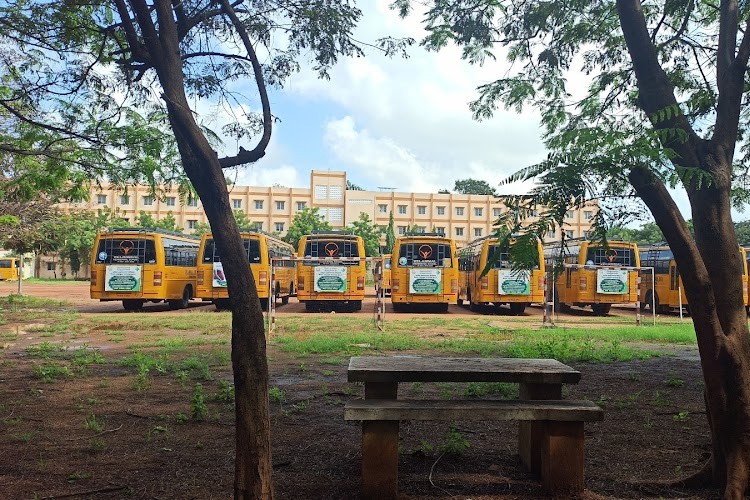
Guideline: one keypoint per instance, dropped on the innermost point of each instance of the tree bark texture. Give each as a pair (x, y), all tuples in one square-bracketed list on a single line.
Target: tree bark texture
[(710, 264), (253, 470)]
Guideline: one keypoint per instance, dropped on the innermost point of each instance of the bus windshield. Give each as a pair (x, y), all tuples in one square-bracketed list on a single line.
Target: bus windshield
[(500, 258), (211, 253), (126, 251), (5, 263), (425, 255), (611, 256), (331, 248)]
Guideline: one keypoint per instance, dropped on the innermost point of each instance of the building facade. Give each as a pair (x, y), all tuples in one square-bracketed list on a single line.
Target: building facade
[(460, 216)]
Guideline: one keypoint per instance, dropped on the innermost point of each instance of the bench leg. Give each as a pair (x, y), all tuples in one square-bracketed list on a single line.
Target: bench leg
[(530, 433), (380, 459), (562, 457)]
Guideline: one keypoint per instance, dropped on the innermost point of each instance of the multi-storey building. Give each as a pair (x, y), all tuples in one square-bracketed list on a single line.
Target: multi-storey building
[(461, 216)]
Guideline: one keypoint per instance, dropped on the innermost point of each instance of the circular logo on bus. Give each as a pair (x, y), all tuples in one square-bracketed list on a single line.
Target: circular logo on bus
[(611, 254), (102, 255), (425, 251), (126, 246), (331, 249), (402, 261)]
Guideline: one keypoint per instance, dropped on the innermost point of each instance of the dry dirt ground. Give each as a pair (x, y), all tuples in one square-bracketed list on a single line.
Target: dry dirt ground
[(110, 432)]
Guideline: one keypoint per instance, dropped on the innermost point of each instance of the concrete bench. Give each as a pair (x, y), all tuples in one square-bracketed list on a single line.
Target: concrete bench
[(558, 422)]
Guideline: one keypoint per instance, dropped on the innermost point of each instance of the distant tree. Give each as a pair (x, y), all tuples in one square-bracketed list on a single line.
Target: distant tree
[(743, 231), (473, 186), (390, 234), (369, 232), (201, 228), (33, 227), (350, 186), (305, 222), (242, 221), (443, 191), (168, 222), (79, 231)]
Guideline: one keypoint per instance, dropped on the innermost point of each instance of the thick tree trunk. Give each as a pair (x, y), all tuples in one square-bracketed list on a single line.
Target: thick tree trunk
[(253, 471), (710, 266)]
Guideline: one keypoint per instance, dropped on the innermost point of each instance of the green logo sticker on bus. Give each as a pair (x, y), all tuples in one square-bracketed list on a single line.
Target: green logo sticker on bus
[(425, 281), (219, 280), (122, 279), (511, 282), (330, 279), (612, 281)]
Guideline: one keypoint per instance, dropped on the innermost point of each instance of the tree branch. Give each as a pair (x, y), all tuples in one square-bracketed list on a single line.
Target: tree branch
[(245, 156)]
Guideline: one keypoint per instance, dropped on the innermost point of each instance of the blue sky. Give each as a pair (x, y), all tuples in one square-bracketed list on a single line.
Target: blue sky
[(400, 123)]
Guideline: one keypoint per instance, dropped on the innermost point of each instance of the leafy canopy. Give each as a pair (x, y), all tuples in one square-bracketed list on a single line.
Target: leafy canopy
[(305, 222), (370, 233)]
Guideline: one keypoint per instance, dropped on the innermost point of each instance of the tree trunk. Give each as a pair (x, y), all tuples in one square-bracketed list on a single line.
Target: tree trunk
[(253, 435), (710, 266)]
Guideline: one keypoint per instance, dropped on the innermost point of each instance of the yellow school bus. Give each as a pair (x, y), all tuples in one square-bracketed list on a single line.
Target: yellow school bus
[(332, 272), (424, 270), (9, 267), (664, 291), (260, 248), (607, 281), (144, 265), (501, 284)]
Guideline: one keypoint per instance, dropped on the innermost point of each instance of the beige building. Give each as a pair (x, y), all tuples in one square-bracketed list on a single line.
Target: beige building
[(460, 216)]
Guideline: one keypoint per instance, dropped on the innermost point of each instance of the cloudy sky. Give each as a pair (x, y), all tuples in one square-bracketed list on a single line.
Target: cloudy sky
[(396, 123), (401, 123)]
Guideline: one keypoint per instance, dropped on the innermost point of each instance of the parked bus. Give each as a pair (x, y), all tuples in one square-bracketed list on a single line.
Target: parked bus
[(665, 290), (144, 265), (260, 249), (501, 284), (599, 286), (424, 270), (332, 272), (9, 268)]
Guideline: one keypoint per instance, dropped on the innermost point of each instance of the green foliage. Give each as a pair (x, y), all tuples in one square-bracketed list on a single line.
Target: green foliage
[(369, 232), (390, 234), (473, 186), (168, 222), (454, 442), (350, 186), (305, 222), (199, 409)]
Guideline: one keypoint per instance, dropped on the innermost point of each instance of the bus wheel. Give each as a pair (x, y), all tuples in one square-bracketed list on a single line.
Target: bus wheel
[(646, 305), (311, 307), (181, 303), (517, 308), (601, 309), (264, 304), (221, 304), (398, 307), (442, 308), (132, 304), (356, 305), (460, 301)]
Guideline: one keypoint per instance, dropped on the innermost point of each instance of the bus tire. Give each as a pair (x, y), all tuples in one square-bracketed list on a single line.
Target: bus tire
[(285, 300), (442, 308), (398, 307), (646, 305), (183, 302), (222, 304), (517, 308), (132, 304), (264, 304), (460, 301), (311, 306), (601, 309)]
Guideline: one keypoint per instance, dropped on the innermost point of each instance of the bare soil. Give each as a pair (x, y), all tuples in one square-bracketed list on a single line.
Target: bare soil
[(145, 443)]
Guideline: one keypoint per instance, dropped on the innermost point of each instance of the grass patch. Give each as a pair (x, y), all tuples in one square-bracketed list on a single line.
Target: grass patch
[(49, 371)]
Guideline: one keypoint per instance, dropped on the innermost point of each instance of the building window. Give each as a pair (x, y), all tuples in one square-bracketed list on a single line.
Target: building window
[(569, 214), (148, 200), (257, 226), (551, 235), (192, 223), (124, 199), (279, 205), (101, 199), (477, 231), (534, 212), (170, 201), (192, 202), (441, 210), (569, 233), (478, 211), (51, 266), (587, 214), (422, 229), (440, 230), (496, 212), (459, 231), (279, 226), (459, 210), (300, 206), (236, 203), (587, 234), (421, 209), (402, 209), (383, 208), (401, 229), (258, 204)]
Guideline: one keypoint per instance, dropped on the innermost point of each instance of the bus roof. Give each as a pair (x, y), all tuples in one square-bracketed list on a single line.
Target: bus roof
[(149, 230)]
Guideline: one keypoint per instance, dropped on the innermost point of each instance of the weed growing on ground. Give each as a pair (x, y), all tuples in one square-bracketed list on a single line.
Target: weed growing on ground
[(454, 442), (226, 392), (673, 381), (92, 424), (276, 395), (502, 389), (49, 371), (23, 437), (199, 409)]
